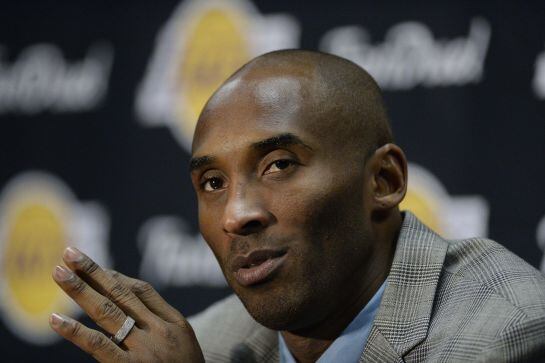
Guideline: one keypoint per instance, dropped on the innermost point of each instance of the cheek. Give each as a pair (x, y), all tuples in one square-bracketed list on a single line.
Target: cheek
[(212, 232), (325, 212), (205, 224), (210, 213), (295, 209)]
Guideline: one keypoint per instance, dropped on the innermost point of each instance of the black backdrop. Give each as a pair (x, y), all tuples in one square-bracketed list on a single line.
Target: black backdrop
[(96, 100)]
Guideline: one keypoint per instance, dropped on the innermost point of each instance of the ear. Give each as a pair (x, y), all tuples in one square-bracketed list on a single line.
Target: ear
[(388, 168)]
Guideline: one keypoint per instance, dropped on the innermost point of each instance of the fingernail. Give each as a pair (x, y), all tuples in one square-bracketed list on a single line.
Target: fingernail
[(72, 254), (63, 274), (56, 320)]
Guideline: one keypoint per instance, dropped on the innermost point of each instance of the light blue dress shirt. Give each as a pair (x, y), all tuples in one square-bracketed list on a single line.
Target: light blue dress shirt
[(348, 347)]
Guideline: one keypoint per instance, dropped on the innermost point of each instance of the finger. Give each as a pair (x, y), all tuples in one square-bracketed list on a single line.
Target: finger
[(99, 308), (91, 341), (118, 293), (150, 297)]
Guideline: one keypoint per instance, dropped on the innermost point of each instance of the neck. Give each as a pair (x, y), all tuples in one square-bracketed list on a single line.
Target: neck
[(307, 345)]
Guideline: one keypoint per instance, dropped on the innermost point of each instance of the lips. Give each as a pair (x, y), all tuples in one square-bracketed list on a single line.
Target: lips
[(258, 266)]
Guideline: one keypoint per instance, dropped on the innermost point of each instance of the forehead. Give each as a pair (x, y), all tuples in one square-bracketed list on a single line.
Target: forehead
[(243, 111)]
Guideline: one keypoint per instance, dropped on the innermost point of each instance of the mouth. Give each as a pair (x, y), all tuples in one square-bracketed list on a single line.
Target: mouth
[(258, 266)]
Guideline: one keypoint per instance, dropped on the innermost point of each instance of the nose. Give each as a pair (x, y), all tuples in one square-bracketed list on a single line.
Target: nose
[(245, 212)]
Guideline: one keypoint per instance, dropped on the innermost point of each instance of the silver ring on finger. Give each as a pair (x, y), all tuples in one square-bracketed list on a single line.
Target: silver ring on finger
[(123, 331)]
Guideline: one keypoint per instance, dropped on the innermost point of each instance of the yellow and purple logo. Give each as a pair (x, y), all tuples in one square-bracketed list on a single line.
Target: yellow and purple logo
[(450, 216), (39, 217), (203, 43)]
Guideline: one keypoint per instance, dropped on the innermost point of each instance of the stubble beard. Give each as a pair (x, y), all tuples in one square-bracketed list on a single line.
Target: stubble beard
[(289, 302)]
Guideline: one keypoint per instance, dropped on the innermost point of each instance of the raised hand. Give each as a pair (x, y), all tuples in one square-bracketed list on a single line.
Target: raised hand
[(160, 333)]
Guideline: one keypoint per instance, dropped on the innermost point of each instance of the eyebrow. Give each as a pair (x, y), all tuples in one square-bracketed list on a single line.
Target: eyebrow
[(199, 162), (281, 140)]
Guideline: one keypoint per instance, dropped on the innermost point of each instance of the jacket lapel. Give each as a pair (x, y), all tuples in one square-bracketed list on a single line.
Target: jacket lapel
[(404, 313)]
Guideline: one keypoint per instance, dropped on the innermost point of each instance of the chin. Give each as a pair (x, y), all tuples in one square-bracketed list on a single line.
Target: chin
[(277, 310), (274, 316)]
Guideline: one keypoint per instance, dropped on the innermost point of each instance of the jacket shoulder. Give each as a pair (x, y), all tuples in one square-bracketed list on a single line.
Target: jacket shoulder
[(487, 264), (489, 306)]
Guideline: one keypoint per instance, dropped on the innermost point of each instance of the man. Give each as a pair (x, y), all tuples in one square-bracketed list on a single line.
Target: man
[(298, 185)]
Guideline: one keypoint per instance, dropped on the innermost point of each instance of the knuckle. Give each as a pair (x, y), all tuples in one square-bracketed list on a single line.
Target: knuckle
[(142, 288), (96, 342), (106, 311), (169, 332), (75, 329), (180, 321), (118, 292), (183, 323), (77, 286), (88, 266)]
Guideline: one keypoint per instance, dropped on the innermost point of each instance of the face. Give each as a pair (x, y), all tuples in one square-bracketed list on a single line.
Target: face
[(280, 205)]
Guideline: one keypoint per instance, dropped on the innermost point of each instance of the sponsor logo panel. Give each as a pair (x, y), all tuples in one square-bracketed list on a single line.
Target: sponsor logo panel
[(410, 55), (450, 216), (172, 256), (203, 43), (41, 79), (39, 217)]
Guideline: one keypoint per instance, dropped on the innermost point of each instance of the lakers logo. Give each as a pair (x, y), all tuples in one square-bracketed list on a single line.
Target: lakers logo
[(215, 48), (203, 43), (39, 218), (450, 216)]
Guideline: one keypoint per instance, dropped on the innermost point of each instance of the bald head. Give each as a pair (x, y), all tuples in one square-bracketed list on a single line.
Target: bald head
[(335, 99)]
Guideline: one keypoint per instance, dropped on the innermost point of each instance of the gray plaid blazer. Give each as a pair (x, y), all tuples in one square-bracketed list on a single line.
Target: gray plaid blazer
[(446, 301)]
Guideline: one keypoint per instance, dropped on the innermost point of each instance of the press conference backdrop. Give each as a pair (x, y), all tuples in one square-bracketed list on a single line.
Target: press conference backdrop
[(98, 102)]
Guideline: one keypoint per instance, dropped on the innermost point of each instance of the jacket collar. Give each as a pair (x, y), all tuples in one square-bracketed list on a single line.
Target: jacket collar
[(405, 310)]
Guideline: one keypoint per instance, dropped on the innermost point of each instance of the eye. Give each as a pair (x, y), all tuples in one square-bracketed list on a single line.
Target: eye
[(279, 165), (212, 184)]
